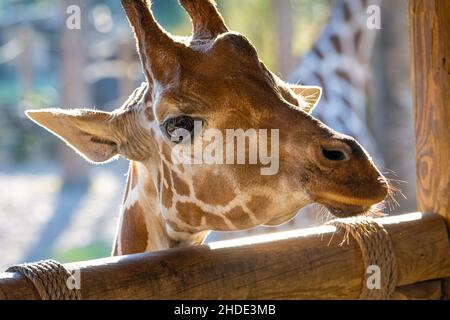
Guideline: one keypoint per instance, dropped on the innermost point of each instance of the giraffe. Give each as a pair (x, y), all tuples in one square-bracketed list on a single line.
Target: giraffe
[(339, 62), (216, 78)]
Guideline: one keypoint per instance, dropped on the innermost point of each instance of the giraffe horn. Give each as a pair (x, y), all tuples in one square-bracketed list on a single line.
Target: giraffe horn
[(155, 45), (207, 21)]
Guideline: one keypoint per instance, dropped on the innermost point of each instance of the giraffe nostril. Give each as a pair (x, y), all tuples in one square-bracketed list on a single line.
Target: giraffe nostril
[(335, 154)]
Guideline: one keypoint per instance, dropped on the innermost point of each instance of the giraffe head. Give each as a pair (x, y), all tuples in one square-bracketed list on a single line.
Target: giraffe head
[(215, 78)]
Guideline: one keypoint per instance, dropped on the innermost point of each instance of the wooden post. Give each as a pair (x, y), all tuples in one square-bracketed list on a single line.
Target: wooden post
[(430, 68)]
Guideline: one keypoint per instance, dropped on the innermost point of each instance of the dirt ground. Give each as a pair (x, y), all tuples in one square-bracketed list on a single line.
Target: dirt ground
[(38, 217)]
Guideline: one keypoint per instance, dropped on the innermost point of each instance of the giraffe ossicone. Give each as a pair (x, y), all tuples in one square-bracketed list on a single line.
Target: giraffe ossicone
[(214, 76)]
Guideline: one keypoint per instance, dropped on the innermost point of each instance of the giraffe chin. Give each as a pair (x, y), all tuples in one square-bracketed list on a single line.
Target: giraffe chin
[(348, 211), (281, 219)]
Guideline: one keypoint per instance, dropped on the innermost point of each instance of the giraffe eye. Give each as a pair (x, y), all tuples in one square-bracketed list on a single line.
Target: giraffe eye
[(179, 128)]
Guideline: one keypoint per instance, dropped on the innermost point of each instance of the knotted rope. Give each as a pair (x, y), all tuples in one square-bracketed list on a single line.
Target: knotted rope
[(377, 250), (50, 279)]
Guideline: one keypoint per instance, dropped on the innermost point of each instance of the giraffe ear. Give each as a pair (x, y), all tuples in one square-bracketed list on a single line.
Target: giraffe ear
[(308, 96), (89, 132)]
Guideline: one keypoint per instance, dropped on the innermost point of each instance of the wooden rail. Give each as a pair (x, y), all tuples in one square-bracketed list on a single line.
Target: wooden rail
[(300, 264), (430, 70)]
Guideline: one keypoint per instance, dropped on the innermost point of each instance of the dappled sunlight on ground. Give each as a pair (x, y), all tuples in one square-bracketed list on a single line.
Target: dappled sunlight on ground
[(32, 229), (97, 216), (21, 216)]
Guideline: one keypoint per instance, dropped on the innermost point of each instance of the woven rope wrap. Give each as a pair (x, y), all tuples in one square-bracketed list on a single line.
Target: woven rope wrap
[(49, 278), (376, 247)]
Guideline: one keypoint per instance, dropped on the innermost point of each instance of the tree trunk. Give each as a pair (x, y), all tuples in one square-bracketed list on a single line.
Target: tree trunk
[(284, 33), (74, 93), (392, 113)]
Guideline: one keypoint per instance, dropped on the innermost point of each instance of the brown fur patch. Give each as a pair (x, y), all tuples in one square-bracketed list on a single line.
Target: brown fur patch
[(213, 190), (216, 222), (347, 12), (240, 218), (192, 214), (189, 213), (134, 233), (343, 75), (259, 205), (336, 43), (318, 53), (357, 39), (180, 186), (167, 197)]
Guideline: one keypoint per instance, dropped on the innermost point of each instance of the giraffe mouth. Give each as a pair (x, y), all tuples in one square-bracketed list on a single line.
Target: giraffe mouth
[(344, 209), (282, 219), (343, 206), (347, 201)]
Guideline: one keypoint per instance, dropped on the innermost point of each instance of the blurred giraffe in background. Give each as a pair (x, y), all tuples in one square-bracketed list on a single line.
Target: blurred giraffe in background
[(339, 62)]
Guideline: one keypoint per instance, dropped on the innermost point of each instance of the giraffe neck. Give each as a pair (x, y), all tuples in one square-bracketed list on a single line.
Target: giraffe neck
[(339, 62), (141, 226)]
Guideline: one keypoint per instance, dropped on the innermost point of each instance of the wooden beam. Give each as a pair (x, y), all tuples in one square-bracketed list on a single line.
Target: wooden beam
[(430, 67), (299, 264), (428, 290)]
